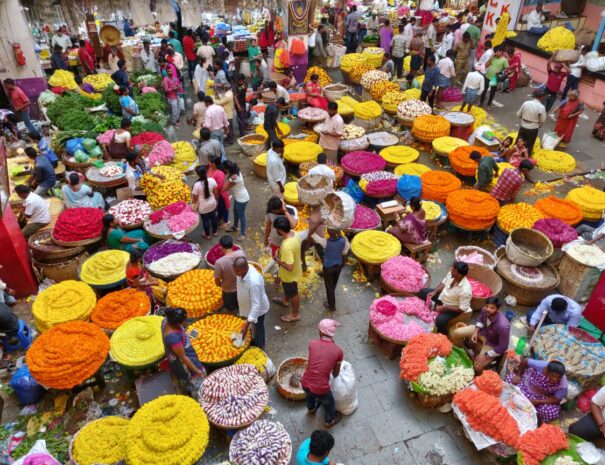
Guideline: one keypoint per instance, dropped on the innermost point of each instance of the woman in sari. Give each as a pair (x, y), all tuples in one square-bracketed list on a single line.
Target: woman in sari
[(137, 277), (411, 228), (314, 93), (514, 68), (253, 51), (599, 127), (218, 175), (116, 238), (76, 194), (386, 36), (544, 384), (567, 117)]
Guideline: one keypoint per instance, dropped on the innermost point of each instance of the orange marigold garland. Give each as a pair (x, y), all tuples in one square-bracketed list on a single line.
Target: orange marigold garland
[(538, 444), (472, 210), (436, 185), (117, 307), (416, 355), (461, 161), (426, 128), (565, 210), (68, 354), (490, 382)]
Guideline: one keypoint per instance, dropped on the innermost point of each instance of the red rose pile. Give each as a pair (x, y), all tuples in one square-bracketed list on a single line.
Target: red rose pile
[(78, 224), (146, 138)]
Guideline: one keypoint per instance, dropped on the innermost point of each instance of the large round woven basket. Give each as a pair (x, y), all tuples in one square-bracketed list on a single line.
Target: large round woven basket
[(252, 149), (528, 247), (333, 92), (292, 363), (74, 165), (486, 276), (45, 250), (489, 259)]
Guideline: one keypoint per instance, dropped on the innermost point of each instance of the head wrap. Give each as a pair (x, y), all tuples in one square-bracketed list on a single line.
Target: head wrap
[(328, 326)]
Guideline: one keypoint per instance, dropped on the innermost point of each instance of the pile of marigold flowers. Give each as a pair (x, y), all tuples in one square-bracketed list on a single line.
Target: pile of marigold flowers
[(415, 356), (375, 247), (196, 292), (352, 61), (565, 210), (517, 215), (554, 160), (254, 356), (67, 354), (444, 145), (461, 161), (557, 38), (100, 441), (427, 128), (116, 307), (184, 156), (472, 210), (105, 267), (414, 169), (437, 185), (285, 129), (300, 152), (392, 98), (63, 302), (359, 71), (138, 341), (214, 343), (367, 110), (590, 200), (381, 88), (399, 154)]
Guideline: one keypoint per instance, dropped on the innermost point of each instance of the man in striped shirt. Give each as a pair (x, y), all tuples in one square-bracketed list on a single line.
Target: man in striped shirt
[(510, 182)]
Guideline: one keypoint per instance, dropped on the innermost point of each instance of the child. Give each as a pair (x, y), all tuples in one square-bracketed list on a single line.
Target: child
[(389, 65), (251, 114)]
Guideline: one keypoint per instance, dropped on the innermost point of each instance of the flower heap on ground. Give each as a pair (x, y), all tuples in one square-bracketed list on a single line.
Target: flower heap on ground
[(78, 224), (368, 110), (460, 158), (389, 316), (559, 232), (300, 152), (373, 77), (62, 78), (116, 307), (557, 38), (138, 341), (67, 354), (196, 292), (411, 108), (262, 443), (392, 98), (518, 215), (379, 184), (214, 343), (177, 217), (589, 199), (374, 56), (285, 129), (101, 441), (254, 356), (414, 169), (130, 212), (375, 247), (365, 218), (565, 210), (234, 396), (437, 185), (99, 81), (446, 144), (62, 302), (403, 274), (427, 128), (554, 160), (399, 154), (105, 267), (169, 430), (416, 355), (358, 72), (358, 163), (351, 61), (184, 156), (472, 210), (442, 380), (164, 192)]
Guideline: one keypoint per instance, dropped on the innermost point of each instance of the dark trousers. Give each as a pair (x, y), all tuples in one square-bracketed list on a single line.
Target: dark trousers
[(191, 68), (530, 136), (443, 318), (229, 137), (222, 211), (572, 84), (258, 333), (230, 301), (424, 94), (351, 42), (331, 276), (398, 66), (586, 428), (550, 99), (208, 221), (485, 89), (492, 93), (427, 53), (271, 137), (313, 400), (241, 122)]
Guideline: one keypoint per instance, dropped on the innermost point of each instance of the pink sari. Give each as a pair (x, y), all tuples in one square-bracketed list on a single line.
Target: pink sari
[(514, 65), (317, 102), (410, 230)]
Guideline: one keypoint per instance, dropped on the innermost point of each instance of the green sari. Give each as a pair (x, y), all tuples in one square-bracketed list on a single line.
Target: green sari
[(115, 236), (252, 52)]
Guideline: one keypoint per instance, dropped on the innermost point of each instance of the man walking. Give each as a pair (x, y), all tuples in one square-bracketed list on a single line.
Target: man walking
[(398, 46), (335, 249), (276, 171), (290, 268), (252, 300), (533, 115), (224, 274), (216, 121), (270, 124), (20, 104)]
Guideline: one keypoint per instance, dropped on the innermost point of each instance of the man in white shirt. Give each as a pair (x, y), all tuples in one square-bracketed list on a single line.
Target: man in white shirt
[(62, 40), (206, 51), (276, 171), (473, 87), (331, 133), (322, 169), (279, 91), (533, 115), (148, 57), (36, 210), (408, 32), (575, 74), (430, 40), (217, 122), (372, 23), (252, 300), (534, 22)]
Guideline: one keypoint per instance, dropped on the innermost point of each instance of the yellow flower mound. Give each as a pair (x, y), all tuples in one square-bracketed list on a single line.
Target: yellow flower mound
[(398, 154), (501, 167), (164, 192), (184, 156), (344, 109), (261, 160), (324, 78), (169, 172), (415, 169), (285, 129), (291, 193), (62, 78), (446, 144), (214, 344), (169, 430), (391, 99), (138, 341), (96, 96), (558, 38), (427, 128), (196, 292), (375, 247), (510, 34), (351, 61), (478, 113), (432, 210), (412, 94), (101, 441), (381, 88), (349, 101), (62, 302), (518, 215), (106, 267), (300, 152), (368, 110), (374, 56), (254, 356), (589, 199), (501, 28), (554, 160), (99, 81), (358, 72)]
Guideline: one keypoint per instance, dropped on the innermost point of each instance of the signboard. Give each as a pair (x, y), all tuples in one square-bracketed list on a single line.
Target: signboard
[(495, 9)]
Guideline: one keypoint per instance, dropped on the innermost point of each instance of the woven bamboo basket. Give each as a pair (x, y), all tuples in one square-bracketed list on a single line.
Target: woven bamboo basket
[(283, 387), (60, 270), (334, 92), (489, 259), (528, 247), (161, 237), (249, 149), (388, 289), (76, 244), (45, 250), (486, 276)]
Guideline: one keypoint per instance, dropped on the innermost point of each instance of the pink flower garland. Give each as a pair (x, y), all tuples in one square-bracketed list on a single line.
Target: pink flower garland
[(559, 232), (365, 218), (403, 274), (182, 221), (161, 153), (387, 314), (361, 162), (479, 289)]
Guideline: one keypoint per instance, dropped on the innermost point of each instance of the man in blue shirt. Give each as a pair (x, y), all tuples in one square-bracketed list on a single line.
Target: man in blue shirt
[(431, 78), (560, 310), (43, 177), (315, 450), (120, 77), (45, 149)]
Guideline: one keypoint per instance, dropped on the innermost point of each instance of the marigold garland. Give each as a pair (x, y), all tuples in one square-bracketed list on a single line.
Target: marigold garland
[(391, 99), (517, 215), (554, 160), (416, 355), (398, 154), (196, 292), (413, 94), (62, 302), (357, 72), (367, 110), (472, 210), (67, 354), (184, 156), (490, 382), (285, 129), (427, 128), (501, 28), (300, 152), (375, 247), (351, 61), (291, 193), (169, 430), (565, 210), (138, 341), (414, 169), (444, 145), (105, 267), (254, 356), (101, 441), (214, 343), (557, 38), (590, 200), (460, 158), (437, 185), (374, 56), (116, 307), (379, 89)]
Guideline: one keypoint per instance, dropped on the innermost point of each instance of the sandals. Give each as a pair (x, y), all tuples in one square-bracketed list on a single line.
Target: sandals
[(337, 418), (288, 319)]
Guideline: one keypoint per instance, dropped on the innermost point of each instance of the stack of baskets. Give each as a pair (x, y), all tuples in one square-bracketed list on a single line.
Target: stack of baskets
[(53, 261)]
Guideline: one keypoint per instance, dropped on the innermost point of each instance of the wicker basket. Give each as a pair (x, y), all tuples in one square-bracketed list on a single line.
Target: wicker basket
[(489, 259), (486, 276), (368, 124), (433, 401), (312, 189), (334, 92), (282, 386), (74, 165), (528, 247), (346, 77), (45, 250), (249, 149), (197, 250), (60, 270), (260, 170)]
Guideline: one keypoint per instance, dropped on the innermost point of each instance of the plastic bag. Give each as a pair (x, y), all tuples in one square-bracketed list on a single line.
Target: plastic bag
[(354, 191), (38, 455), (72, 145), (344, 389), (89, 144), (96, 152), (584, 400), (409, 186), (81, 156), (550, 140)]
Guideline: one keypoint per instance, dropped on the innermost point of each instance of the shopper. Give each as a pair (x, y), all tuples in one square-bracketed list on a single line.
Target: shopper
[(189, 52), (86, 59), (430, 40), (567, 116), (575, 72), (494, 74), (315, 449), (204, 199), (240, 103), (252, 300), (253, 52), (241, 197), (598, 129), (43, 177), (271, 122), (510, 182), (514, 68), (556, 73), (473, 87), (20, 104), (276, 171), (198, 114), (224, 98), (398, 48), (592, 426), (352, 28), (322, 169), (128, 104), (215, 171), (277, 208), (208, 148), (120, 76), (324, 359), (206, 51), (217, 122), (447, 43), (172, 87), (148, 57), (447, 74), (290, 268), (416, 46), (201, 75), (319, 52), (60, 39), (36, 210), (431, 81), (386, 36), (224, 273), (533, 115), (408, 32), (335, 250)]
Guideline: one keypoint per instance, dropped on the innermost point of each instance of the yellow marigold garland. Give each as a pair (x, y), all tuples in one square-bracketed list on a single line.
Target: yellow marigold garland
[(351, 61), (444, 145), (184, 156), (63, 78), (254, 356), (105, 267), (101, 441), (415, 169), (62, 302), (374, 56), (518, 215), (554, 160), (214, 344), (590, 200), (368, 110), (557, 38), (357, 72), (381, 88), (565, 210), (291, 193), (501, 28), (99, 81), (391, 99), (285, 129), (300, 152), (413, 94), (398, 154), (375, 247), (138, 341), (471, 209)]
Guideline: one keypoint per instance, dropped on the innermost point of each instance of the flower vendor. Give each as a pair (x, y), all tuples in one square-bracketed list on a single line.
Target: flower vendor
[(534, 21), (486, 170), (567, 117), (510, 182), (276, 207), (322, 169), (270, 123), (290, 268), (452, 298), (533, 115), (36, 211), (43, 177), (431, 81), (592, 235), (315, 449), (411, 227), (44, 148), (77, 194), (180, 354), (252, 300), (544, 384), (116, 238), (224, 273), (488, 338), (324, 359), (592, 426), (208, 147), (331, 132), (119, 146), (139, 278), (558, 310), (314, 94)]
